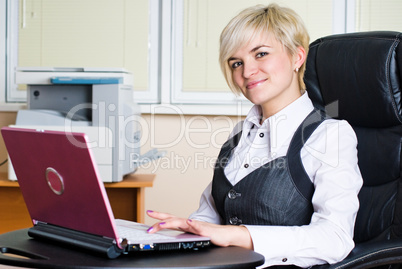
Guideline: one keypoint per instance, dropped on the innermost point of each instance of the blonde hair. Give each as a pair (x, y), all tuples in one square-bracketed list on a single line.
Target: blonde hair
[(286, 26)]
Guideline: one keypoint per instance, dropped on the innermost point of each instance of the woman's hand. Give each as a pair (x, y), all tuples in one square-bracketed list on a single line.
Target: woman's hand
[(167, 221), (220, 235)]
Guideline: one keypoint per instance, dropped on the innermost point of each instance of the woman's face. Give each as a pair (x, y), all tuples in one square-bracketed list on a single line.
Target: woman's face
[(265, 73)]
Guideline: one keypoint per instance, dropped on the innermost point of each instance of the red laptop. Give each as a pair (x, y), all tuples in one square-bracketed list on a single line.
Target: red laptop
[(67, 200)]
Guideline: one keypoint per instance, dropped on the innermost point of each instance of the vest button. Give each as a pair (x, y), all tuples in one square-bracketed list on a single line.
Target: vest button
[(261, 134), (235, 221), (232, 194)]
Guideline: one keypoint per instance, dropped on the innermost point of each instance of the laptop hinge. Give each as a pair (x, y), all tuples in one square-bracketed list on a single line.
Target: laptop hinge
[(67, 237)]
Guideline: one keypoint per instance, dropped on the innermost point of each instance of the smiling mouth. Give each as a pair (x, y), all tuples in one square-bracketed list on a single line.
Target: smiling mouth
[(255, 83)]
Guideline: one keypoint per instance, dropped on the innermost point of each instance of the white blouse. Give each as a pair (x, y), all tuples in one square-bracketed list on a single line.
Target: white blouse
[(329, 158)]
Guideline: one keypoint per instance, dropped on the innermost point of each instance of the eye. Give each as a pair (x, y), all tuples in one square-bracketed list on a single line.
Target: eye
[(261, 54), (236, 65)]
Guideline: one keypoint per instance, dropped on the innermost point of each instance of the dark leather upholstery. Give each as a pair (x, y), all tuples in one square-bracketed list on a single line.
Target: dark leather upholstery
[(357, 77)]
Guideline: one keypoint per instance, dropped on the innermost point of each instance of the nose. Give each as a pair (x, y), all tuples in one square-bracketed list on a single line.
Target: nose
[(249, 69)]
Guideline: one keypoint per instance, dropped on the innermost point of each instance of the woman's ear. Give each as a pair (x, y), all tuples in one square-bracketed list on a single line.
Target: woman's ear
[(300, 57)]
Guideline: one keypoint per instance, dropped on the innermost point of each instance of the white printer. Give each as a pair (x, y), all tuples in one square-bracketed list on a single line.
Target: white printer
[(95, 101)]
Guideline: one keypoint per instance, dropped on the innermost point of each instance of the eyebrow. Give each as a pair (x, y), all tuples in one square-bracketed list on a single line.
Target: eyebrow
[(232, 59), (253, 50), (260, 46)]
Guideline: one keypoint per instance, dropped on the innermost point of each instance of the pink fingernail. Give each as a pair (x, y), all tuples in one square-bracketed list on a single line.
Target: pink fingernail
[(149, 211), (190, 220), (150, 229), (162, 223)]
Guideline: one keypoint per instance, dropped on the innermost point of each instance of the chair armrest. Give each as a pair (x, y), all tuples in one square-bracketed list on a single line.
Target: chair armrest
[(370, 254)]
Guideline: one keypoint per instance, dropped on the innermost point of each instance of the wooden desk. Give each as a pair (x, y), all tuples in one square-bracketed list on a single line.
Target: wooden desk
[(126, 198)]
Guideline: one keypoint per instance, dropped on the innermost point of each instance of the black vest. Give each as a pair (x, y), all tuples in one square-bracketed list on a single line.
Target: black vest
[(277, 193)]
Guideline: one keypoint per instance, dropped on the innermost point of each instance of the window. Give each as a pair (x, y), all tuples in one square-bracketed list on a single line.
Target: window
[(89, 33), (197, 25), (170, 46), (378, 15)]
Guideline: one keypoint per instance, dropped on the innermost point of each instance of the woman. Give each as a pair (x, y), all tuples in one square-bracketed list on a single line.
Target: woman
[(286, 182)]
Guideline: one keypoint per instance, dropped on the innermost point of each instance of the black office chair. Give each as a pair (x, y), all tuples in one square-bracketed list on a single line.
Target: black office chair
[(358, 77)]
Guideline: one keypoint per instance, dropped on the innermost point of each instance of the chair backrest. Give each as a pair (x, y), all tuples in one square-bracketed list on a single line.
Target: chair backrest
[(357, 77)]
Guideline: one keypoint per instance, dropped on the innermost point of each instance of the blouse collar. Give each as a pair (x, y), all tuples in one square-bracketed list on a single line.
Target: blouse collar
[(281, 125)]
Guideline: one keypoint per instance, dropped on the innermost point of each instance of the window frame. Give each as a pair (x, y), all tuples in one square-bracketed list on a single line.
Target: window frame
[(12, 54), (3, 58), (152, 95)]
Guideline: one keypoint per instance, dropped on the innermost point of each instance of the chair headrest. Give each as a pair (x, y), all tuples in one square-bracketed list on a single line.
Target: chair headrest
[(357, 77)]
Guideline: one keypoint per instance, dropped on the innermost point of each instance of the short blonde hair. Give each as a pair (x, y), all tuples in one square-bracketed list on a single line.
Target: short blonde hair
[(286, 26)]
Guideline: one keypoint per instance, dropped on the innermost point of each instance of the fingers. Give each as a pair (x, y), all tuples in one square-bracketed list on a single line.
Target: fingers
[(175, 224), (167, 221), (222, 235), (192, 226), (159, 215), (197, 227)]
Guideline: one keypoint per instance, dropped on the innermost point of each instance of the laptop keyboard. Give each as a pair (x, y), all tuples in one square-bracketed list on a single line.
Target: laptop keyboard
[(137, 236), (139, 233)]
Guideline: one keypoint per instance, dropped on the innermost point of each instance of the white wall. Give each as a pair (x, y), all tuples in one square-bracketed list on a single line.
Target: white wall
[(192, 144)]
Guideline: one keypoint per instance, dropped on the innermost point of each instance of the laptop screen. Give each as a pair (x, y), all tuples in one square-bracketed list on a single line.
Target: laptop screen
[(59, 180)]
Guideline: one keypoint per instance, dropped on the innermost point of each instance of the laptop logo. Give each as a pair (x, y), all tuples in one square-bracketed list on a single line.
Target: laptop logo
[(55, 181)]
